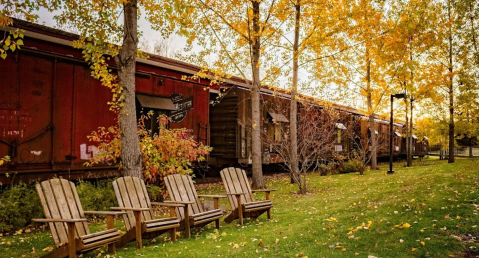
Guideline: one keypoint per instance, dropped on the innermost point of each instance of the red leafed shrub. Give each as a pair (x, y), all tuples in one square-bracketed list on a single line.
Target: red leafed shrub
[(170, 151)]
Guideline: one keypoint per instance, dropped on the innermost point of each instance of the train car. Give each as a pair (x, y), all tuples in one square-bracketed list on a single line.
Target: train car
[(422, 147), (230, 123), (50, 103), (382, 135)]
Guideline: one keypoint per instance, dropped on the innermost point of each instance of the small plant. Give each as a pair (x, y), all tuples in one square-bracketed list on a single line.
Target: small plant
[(96, 196), (353, 165), (19, 204), (324, 169), (155, 192)]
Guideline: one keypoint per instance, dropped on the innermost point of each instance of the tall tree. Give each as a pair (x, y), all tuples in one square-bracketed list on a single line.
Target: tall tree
[(110, 29), (406, 49), (235, 35), (314, 24), (449, 53), (358, 63)]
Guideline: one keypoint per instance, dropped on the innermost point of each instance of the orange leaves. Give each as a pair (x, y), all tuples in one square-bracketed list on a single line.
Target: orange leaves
[(163, 153), (4, 160)]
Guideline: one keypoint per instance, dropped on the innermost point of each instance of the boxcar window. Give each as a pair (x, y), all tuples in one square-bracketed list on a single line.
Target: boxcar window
[(277, 132), (158, 106), (277, 122), (338, 136)]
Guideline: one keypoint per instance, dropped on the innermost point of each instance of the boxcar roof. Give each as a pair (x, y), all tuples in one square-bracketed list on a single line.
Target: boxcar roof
[(61, 37)]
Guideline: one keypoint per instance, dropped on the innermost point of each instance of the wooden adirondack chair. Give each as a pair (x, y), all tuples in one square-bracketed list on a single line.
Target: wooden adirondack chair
[(241, 198), (182, 191), (139, 217), (66, 219)]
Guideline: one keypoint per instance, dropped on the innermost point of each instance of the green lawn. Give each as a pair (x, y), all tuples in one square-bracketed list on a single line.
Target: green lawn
[(428, 210)]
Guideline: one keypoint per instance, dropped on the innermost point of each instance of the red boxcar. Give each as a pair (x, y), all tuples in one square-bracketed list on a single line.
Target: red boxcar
[(50, 103)]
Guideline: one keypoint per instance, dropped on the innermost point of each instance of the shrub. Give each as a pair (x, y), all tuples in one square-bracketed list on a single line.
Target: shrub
[(171, 151), (353, 165), (325, 169), (96, 195), (19, 204), (155, 192)]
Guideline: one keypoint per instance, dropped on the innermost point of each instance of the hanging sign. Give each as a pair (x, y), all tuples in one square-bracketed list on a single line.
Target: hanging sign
[(183, 105)]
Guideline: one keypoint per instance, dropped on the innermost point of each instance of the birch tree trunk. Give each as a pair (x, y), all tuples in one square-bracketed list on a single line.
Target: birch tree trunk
[(293, 119), (451, 95), (408, 136), (258, 182), (411, 146), (372, 124), (125, 60)]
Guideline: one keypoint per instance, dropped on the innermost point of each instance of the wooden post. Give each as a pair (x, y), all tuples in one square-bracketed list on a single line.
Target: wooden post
[(187, 222), (138, 229), (240, 209), (269, 210), (173, 230), (72, 252), (216, 206), (173, 234), (110, 222)]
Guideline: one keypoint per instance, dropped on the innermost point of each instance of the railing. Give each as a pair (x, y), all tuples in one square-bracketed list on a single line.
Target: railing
[(461, 151)]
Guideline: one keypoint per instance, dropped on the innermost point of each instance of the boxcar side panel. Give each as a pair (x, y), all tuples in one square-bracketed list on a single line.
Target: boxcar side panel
[(34, 99), (63, 112), (91, 110)]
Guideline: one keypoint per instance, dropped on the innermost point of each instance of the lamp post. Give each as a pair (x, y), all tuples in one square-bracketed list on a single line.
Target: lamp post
[(398, 96)]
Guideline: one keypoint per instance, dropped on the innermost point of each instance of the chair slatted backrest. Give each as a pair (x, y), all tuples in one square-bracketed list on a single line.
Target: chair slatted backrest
[(131, 193), (59, 200), (235, 181), (181, 188)]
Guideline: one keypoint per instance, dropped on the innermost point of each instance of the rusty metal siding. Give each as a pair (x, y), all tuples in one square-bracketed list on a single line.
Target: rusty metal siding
[(8, 85), (62, 113), (90, 112), (34, 122)]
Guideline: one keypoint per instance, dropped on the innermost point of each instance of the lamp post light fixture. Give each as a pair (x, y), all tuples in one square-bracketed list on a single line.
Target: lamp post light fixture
[(398, 96)]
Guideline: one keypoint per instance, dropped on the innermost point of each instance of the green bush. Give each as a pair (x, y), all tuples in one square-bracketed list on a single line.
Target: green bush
[(19, 204), (155, 192), (97, 195), (354, 165), (325, 170)]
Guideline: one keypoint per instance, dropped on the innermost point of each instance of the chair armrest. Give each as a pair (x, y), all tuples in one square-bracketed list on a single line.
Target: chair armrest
[(264, 190), (167, 204), (235, 193), (180, 202), (213, 195), (59, 220), (114, 213), (129, 209)]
